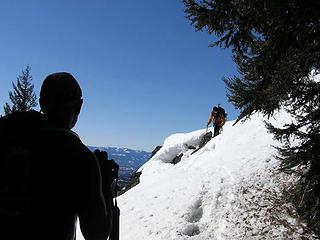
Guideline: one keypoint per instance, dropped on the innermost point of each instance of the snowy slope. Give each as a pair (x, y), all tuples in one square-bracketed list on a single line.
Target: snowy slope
[(227, 190)]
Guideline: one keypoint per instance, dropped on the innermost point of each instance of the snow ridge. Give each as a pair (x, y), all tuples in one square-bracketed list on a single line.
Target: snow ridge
[(230, 189)]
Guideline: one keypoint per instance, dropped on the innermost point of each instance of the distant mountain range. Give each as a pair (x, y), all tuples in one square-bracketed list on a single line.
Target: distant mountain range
[(129, 161)]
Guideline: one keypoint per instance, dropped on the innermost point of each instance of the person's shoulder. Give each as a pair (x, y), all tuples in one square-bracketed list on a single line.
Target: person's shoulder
[(74, 138), (66, 142), (85, 154)]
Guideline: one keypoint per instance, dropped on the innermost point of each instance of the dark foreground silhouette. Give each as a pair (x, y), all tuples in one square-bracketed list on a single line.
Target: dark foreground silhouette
[(48, 177)]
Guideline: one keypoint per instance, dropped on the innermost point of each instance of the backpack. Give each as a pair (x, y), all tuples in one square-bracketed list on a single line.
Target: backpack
[(220, 111), (15, 176)]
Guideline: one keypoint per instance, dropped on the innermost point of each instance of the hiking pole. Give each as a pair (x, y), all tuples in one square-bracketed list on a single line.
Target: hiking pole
[(207, 128)]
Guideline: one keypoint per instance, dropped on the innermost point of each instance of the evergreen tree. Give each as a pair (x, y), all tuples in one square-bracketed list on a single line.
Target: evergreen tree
[(23, 97), (276, 46)]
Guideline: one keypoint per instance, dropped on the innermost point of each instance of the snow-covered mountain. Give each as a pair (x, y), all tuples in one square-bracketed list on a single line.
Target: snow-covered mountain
[(228, 190), (129, 160)]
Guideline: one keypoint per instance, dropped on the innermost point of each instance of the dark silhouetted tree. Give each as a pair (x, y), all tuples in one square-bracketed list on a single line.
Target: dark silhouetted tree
[(22, 97), (276, 46)]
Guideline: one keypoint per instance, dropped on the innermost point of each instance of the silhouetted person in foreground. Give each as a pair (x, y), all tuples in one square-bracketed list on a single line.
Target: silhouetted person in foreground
[(48, 177), (218, 118)]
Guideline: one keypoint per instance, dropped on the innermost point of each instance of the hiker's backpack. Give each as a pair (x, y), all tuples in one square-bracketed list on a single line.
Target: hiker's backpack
[(221, 111), (15, 175)]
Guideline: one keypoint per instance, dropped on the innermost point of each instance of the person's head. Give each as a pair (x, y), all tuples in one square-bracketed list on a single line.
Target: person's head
[(214, 110), (61, 99)]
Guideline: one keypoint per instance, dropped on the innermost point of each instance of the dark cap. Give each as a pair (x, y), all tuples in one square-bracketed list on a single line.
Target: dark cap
[(60, 87), (214, 109)]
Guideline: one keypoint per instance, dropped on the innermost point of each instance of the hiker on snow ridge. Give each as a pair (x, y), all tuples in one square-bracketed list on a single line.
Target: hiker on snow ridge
[(48, 177), (218, 118)]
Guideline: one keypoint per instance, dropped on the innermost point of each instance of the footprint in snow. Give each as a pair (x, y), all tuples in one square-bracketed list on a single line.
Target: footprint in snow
[(193, 215), (191, 230), (195, 212)]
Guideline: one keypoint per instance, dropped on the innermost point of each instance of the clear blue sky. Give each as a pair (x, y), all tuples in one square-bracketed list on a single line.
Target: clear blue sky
[(144, 71)]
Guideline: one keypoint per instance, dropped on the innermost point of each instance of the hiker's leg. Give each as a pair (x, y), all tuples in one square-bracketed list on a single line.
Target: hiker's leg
[(216, 131)]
